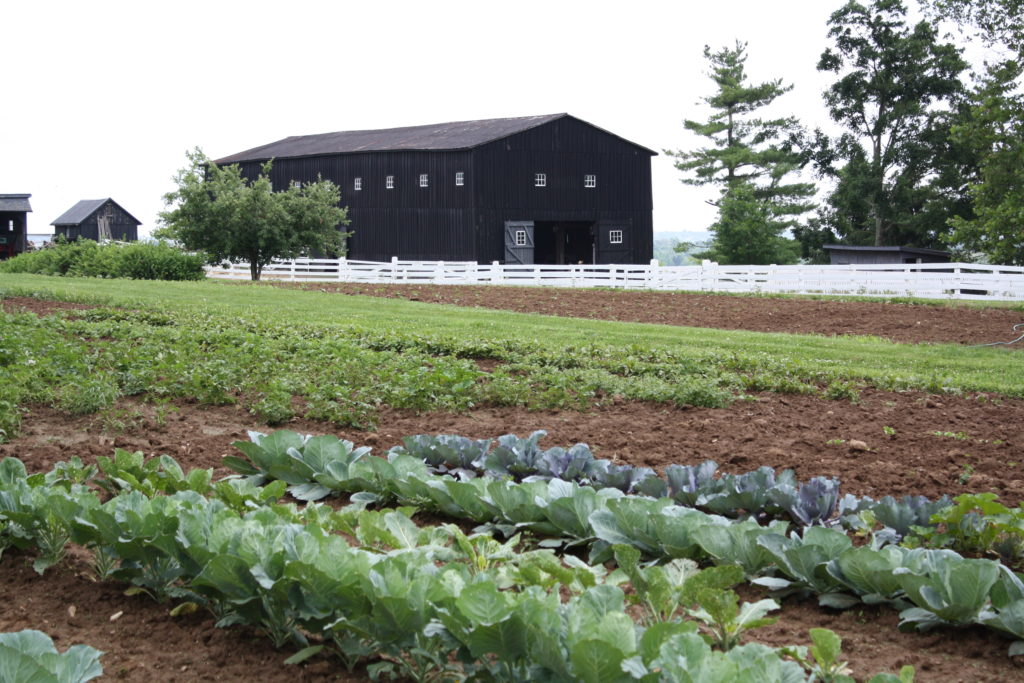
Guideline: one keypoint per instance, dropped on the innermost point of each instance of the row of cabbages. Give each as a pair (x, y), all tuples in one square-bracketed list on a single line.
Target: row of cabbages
[(414, 603), (929, 586)]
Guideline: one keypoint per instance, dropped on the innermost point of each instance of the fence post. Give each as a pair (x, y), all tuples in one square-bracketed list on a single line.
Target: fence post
[(292, 269), (439, 272), (394, 268), (342, 265), (496, 272), (653, 274)]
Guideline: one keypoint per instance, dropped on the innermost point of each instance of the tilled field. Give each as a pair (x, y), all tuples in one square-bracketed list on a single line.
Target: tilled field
[(910, 443)]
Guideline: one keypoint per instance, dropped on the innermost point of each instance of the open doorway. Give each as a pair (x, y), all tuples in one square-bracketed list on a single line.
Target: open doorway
[(564, 242)]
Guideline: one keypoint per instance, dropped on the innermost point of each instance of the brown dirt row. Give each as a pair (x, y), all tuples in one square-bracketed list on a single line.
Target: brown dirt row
[(145, 644), (916, 443)]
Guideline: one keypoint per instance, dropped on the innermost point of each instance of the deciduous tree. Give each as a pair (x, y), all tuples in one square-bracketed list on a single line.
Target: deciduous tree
[(994, 129), (998, 22), (894, 95), (233, 218)]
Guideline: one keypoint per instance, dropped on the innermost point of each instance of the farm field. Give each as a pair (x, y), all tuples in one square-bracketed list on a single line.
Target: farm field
[(186, 370)]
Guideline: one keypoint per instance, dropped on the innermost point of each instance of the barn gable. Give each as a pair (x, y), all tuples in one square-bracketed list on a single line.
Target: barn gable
[(450, 191), (97, 219)]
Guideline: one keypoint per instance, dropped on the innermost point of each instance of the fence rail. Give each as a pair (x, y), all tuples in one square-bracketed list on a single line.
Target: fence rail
[(920, 280)]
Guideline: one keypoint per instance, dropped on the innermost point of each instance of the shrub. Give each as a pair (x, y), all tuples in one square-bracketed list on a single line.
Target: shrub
[(85, 258)]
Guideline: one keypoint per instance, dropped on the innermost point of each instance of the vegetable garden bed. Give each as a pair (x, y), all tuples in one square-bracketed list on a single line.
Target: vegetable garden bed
[(883, 443)]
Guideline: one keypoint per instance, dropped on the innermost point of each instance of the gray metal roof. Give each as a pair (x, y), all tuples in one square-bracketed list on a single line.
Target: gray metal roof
[(15, 202), (84, 209), (902, 250), (433, 137)]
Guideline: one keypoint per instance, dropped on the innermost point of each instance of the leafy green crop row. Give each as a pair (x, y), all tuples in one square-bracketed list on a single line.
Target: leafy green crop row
[(929, 586), (433, 605)]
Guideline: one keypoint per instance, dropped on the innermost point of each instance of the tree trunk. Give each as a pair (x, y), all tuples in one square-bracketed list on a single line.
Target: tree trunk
[(255, 270), (879, 225)]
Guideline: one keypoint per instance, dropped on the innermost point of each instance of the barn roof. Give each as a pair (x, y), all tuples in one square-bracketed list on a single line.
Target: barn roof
[(451, 136), (84, 209), (916, 251), (15, 202)]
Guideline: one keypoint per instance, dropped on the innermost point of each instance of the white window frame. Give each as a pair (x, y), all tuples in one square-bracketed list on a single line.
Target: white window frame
[(540, 179), (614, 237), (460, 178), (357, 184), (389, 182), (520, 238), (424, 180), (590, 180)]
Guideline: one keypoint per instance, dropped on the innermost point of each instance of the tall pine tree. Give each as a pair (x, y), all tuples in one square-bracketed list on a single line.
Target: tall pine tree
[(750, 159)]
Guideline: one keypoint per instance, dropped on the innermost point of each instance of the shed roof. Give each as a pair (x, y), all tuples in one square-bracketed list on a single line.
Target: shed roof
[(84, 209), (15, 202), (451, 136), (901, 250)]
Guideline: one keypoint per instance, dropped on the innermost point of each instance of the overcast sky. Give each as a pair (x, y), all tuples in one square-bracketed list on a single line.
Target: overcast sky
[(103, 99)]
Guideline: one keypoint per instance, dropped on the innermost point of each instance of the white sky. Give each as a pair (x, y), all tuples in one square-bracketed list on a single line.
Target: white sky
[(104, 98)]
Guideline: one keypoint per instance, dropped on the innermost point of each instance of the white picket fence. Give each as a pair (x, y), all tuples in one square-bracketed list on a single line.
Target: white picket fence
[(929, 280)]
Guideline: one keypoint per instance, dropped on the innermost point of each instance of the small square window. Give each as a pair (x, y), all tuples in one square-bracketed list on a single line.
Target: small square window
[(615, 237), (590, 181), (423, 179), (520, 238), (389, 182), (358, 184), (460, 178), (540, 179), (297, 183)]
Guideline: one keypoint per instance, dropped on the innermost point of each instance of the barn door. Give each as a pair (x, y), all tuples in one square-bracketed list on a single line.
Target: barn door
[(518, 242), (103, 228), (613, 241)]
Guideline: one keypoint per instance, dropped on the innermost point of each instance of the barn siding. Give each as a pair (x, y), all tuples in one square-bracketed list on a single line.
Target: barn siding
[(566, 150), (122, 226), (447, 222)]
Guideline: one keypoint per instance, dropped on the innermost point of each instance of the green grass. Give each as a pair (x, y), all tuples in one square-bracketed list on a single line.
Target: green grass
[(283, 352), (870, 360)]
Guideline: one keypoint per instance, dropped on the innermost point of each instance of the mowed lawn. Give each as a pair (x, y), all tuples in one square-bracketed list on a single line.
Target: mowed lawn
[(867, 359)]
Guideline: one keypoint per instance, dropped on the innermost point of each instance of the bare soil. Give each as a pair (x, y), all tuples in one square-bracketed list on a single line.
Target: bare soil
[(927, 448)]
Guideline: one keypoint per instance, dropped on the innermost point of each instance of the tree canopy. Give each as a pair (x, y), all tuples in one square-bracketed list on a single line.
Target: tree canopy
[(750, 158), (998, 22), (232, 218), (994, 129), (897, 86)]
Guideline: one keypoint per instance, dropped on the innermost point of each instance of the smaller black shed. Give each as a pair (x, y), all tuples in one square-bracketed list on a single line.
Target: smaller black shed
[(13, 224), (844, 255), (97, 219)]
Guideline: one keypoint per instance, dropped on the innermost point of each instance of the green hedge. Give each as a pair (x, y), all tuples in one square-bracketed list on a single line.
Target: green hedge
[(85, 258)]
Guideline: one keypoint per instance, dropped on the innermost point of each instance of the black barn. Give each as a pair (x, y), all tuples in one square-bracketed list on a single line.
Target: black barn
[(537, 189), (97, 219), (14, 210)]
